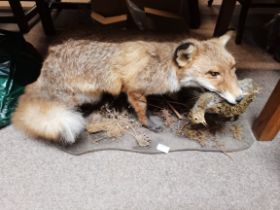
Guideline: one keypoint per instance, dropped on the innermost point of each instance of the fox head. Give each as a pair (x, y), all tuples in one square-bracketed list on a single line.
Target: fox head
[(208, 64)]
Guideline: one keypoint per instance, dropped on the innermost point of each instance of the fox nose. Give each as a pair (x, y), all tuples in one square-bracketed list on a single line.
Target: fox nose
[(239, 99)]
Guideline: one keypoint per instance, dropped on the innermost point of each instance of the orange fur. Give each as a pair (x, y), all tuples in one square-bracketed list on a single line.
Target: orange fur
[(80, 71)]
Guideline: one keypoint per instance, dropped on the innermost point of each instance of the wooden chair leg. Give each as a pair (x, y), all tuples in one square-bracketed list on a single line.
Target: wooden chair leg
[(224, 18), (45, 15), (267, 125), (242, 20), (19, 15), (210, 2), (194, 13)]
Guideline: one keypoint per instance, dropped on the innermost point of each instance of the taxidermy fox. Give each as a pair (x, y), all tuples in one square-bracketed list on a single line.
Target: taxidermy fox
[(79, 71)]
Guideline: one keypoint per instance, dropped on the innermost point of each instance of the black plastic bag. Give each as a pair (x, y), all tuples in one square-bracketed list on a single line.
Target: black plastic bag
[(20, 65)]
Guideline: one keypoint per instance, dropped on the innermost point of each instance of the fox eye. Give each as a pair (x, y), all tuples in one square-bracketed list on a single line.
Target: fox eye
[(213, 73)]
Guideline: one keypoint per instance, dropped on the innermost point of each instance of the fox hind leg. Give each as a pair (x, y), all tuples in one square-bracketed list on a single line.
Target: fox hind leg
[(139, 103)]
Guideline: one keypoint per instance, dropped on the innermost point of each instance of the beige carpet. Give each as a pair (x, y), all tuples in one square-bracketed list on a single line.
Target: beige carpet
[(35, 175)]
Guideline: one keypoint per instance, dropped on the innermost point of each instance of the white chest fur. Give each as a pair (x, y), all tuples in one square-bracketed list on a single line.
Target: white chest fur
[(173, 81)]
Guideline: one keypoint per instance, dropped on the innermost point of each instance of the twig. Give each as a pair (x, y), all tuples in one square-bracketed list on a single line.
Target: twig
[(225, 153), (170, 101), (149, 104), (180, 117), (220, 147)]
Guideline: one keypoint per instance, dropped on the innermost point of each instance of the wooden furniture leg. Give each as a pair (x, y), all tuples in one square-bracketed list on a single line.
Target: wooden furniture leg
[(224, 18), (210, 2), (190, 11), (267, 125), (45, 15), (194, 13), (19, 15), (242, 20)]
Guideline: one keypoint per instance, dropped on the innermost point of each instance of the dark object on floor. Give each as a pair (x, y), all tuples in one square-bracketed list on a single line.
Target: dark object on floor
[(245, 6), (273, 37), (20, 65)]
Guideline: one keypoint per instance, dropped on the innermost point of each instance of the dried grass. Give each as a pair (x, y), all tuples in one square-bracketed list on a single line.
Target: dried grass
[(168, 118), (115, 124), (199, 134), (180, 117), (142, 140), (236, 130), (112, 127)]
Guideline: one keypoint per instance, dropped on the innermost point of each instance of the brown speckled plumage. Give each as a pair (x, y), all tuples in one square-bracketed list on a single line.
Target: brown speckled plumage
[(214, 104)]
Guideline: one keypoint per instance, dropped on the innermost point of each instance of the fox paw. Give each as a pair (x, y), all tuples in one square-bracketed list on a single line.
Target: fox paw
[(153, 126)]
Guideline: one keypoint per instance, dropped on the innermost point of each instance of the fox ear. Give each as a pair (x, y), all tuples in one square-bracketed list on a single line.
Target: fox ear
[(184, 53), (225, 38)]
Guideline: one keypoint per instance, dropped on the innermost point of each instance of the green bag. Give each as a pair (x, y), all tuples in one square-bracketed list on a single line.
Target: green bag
[(20, 65)]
